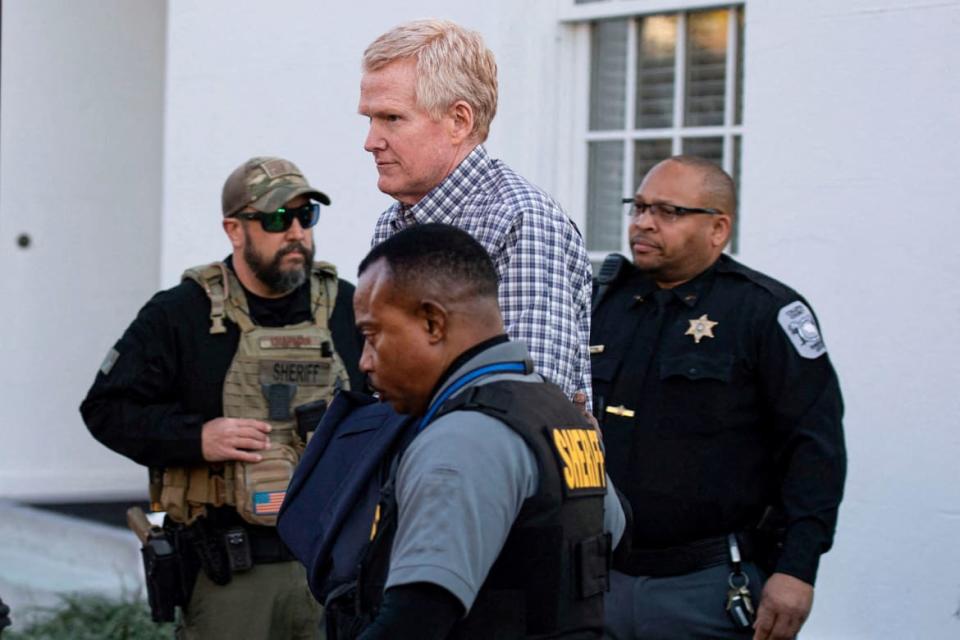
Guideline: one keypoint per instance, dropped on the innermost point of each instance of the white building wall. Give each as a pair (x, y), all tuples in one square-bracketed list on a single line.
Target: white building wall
[(249, 79), (80, 174), (849, 194)]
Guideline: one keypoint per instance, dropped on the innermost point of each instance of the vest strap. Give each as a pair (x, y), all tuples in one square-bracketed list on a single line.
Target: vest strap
[(239, 310), (228, 300), (494, 398), (323, 292)]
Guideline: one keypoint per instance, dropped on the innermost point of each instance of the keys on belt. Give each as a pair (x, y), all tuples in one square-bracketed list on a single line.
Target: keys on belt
[(739, 601)]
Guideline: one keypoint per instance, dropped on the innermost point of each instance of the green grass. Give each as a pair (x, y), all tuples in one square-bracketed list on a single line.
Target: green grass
[(83, 617)]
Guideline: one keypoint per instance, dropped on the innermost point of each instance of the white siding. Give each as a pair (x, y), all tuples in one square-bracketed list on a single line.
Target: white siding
[(80, 166), (286, 80), (849, 194)]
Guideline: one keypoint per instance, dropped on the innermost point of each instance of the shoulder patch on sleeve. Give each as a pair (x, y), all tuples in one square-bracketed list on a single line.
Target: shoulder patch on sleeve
[(798, 323), (107, 366)]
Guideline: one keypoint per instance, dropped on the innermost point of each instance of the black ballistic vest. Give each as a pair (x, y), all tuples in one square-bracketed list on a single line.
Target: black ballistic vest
[(550, 576)]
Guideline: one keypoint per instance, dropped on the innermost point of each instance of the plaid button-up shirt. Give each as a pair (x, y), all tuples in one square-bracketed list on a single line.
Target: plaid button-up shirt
[(545, 275)]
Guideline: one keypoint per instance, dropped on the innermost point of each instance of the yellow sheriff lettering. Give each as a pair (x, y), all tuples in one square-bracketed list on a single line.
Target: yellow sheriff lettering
[(600, 463), (582, 457), (585, 460), (574, 450), (563, 448)]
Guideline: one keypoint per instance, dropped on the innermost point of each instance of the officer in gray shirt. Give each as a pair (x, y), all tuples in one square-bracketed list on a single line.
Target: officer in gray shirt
[(498, 518), (461, 485)]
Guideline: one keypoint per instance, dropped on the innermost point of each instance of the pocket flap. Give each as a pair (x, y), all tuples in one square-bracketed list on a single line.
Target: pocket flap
[(593, 559), (695, 366), (603, 367)]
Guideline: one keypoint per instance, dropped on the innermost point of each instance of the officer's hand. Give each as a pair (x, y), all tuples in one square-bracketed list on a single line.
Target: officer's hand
[(234, 439), (784, 606), (580, 401)]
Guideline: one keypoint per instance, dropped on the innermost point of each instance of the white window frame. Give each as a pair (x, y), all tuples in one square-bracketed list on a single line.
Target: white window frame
[(576, 112)]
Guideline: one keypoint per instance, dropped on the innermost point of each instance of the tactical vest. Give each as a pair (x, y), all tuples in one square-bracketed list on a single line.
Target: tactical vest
[(550, 576), (274, 370)]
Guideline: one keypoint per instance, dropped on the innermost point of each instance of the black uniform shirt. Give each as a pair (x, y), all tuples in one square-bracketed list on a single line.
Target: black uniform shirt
[(725, 426), (167, 378)]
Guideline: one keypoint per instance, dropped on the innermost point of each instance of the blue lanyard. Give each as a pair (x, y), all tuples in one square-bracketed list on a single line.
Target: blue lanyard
[(465, 379)]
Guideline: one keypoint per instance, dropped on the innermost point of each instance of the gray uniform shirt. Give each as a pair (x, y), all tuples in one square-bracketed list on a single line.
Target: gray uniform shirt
[(460, 486)]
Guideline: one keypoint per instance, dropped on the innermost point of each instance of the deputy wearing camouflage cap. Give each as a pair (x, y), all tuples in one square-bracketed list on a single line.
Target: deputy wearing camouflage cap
[(204, 388)]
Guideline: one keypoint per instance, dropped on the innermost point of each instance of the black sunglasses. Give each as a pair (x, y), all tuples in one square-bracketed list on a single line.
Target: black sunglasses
[(280, 220)]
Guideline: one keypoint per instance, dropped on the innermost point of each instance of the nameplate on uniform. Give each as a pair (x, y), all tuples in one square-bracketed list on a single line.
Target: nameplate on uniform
[(584, 471), (300, 373), (798, 323), (596, 348), (621, 411), (288, 341)]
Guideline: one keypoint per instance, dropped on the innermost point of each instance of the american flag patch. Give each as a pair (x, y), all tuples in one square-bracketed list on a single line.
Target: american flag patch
[(267, 502)]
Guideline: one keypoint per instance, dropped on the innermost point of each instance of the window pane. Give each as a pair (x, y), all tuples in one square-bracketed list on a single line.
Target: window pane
[(656, 55), (608, 75), (647, 153), (738, 97), (709, 148), (706, 67), (604, 191)]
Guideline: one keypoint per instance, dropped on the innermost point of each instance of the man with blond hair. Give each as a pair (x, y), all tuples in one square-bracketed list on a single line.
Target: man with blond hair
[(429, 89)]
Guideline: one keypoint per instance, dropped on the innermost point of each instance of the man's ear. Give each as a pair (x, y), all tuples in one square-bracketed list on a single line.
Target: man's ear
[(720, 229), (461, 121), (234, 231), (435, 317)]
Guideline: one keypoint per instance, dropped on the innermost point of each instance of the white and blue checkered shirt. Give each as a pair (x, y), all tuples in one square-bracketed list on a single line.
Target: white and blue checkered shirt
[(545, 276)]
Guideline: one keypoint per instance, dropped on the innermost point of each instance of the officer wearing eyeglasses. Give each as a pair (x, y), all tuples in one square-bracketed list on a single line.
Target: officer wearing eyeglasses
[(204, 388), (721, 414)]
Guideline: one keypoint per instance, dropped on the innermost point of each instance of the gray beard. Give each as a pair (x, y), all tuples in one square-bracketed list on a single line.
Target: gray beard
[(276, 279)]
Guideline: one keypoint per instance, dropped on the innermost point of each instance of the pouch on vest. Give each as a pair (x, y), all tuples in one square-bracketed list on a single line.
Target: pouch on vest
[(329, 510), (259, 487)]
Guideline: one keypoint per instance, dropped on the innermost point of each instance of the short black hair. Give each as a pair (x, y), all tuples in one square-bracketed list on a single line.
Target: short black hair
[(437, 256), (717, 183)]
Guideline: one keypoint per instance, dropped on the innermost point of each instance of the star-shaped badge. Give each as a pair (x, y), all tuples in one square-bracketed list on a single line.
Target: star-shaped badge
[(701, 327)]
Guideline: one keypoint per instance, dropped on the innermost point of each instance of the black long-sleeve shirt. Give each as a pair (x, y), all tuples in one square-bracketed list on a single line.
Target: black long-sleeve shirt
[(167, 377), (723, 426)]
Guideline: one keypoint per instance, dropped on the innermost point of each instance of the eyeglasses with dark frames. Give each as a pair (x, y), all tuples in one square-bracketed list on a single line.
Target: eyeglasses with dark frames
[(664, 211), (280, 220)]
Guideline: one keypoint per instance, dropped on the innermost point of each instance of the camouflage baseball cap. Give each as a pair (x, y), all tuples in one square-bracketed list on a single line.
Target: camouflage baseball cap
[(266, 184)]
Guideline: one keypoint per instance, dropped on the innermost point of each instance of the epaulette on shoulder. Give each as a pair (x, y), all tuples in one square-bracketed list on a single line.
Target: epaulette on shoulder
[(613, 268), (772, 286)]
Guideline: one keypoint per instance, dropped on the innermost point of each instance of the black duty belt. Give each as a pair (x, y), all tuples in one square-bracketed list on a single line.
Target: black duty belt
[(266, 549), (681, 559), (210, 533)]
